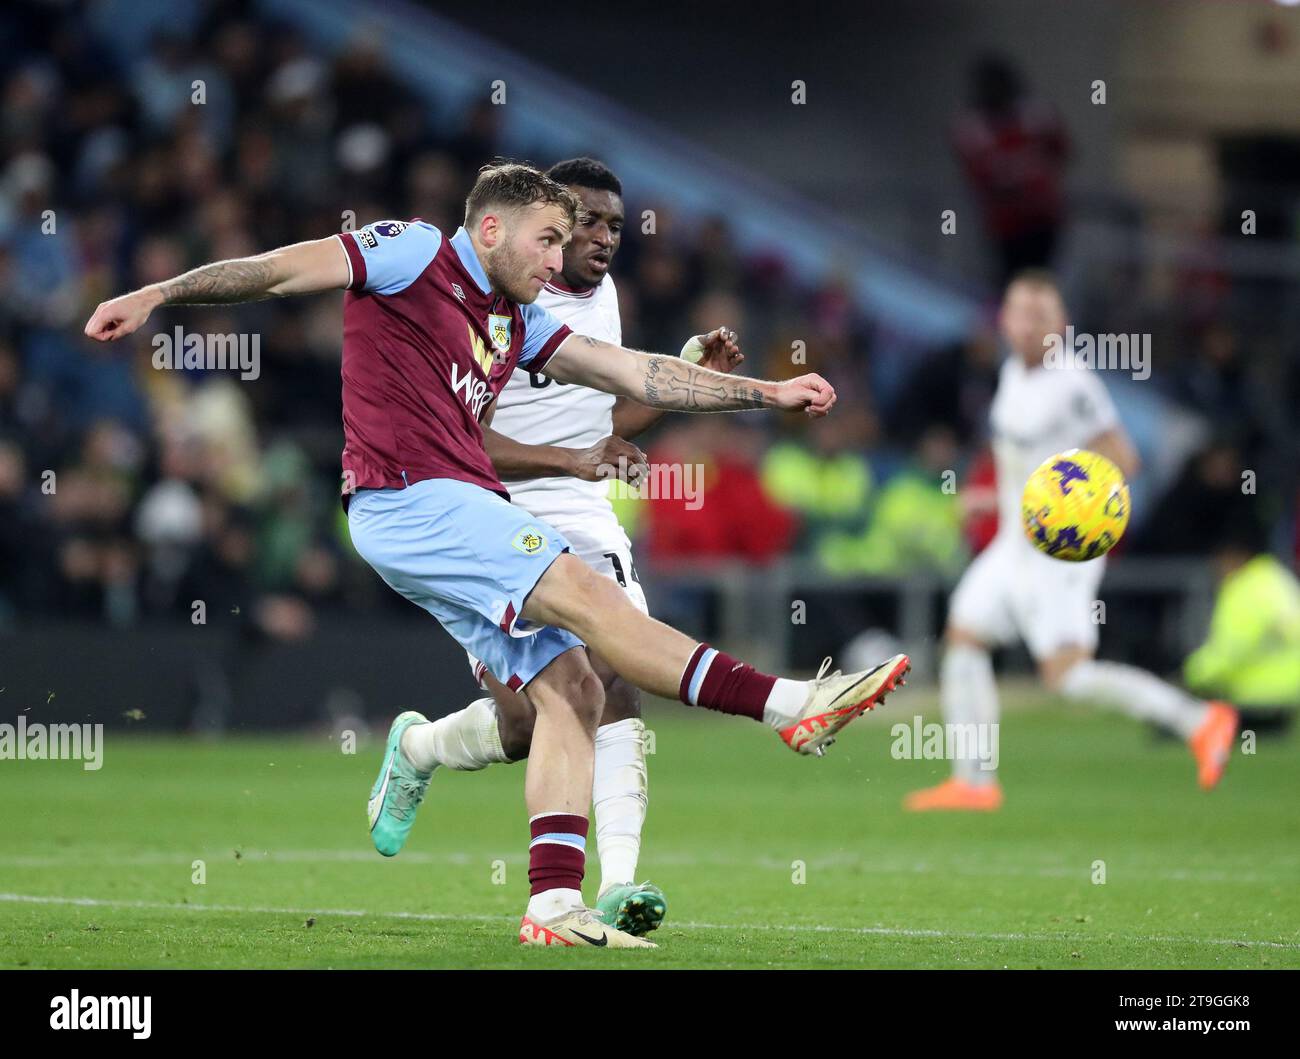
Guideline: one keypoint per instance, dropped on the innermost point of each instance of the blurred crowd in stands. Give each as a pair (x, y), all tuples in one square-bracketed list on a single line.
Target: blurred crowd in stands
[(128, 492)]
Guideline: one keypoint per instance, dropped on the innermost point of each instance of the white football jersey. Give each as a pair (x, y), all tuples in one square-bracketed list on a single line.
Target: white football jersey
[(1036, 413), (538, 410)]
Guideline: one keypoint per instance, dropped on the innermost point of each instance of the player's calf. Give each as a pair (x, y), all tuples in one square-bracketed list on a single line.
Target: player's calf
[(516, 717), (622, 700), (661, 660), (557, 786)]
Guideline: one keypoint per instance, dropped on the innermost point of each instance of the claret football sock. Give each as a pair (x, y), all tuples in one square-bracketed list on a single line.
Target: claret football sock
[(556, 863), (465, 741), (618, 798), (716, 681)]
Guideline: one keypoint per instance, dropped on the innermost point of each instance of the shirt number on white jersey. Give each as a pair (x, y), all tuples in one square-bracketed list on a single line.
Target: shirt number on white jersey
[(539, 382), (619, 575)]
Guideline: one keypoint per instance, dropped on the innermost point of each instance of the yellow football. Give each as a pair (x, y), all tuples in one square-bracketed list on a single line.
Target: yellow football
[(1075, 506)]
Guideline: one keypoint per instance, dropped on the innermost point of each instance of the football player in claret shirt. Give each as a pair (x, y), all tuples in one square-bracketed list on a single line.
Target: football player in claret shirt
[(433, 326), (556, 446)]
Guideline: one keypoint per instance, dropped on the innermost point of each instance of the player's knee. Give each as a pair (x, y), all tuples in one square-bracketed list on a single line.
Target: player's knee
[(622, 701), (1057, 680), (956, 636), (586, 696), (1065, 674), (571, 685)]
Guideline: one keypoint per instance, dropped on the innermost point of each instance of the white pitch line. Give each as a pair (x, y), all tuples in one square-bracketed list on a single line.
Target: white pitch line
[(177, 906), (796, 928), (866, 865)]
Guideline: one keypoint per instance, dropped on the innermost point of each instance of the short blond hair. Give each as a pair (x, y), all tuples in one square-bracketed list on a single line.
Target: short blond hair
[(517, 184)]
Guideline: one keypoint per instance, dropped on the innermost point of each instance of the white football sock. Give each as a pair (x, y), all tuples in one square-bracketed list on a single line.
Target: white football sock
[(618, 796), (465, 741), (785, 702), (1137, 693), (969, 696), (551, 903)]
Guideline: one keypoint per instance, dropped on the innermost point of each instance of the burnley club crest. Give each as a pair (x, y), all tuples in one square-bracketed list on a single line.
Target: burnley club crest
[(499, 331)]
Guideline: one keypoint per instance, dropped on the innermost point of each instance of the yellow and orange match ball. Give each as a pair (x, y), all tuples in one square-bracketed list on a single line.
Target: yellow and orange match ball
[(1075, 506)]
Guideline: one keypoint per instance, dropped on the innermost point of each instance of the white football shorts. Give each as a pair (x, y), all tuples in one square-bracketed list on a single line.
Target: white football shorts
[(1012, 590)]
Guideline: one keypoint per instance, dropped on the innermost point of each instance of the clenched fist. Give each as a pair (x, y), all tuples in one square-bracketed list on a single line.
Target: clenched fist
[(811, 393), (611, 457), (118, 318)]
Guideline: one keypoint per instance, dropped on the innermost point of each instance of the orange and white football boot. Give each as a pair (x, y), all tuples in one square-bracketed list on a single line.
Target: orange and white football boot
[(578, 927), (835, 700)]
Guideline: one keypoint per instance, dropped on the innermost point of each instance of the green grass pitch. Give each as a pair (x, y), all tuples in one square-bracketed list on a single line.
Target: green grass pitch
[(768, 860)]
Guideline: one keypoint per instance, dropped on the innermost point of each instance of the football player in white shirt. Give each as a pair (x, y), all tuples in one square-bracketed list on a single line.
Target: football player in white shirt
[(1012, 590), (555, 446)]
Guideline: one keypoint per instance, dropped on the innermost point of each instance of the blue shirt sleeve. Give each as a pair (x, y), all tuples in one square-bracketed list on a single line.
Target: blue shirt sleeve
[(542, 334), (388, 256)]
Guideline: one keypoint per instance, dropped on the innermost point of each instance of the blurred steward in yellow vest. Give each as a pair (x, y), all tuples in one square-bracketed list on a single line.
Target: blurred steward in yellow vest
[(911, 523), (1252, 655)]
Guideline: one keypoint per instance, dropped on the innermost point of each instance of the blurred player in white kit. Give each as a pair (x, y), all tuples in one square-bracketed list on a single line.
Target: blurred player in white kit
[(1013, 591)]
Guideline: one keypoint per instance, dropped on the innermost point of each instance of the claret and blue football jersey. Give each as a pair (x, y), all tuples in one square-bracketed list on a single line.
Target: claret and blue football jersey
[(427, 346)]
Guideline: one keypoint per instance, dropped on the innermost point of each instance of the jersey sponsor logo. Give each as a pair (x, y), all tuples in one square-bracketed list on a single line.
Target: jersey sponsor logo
[(456, 290), (390, 229), (499, 330), (367, 239), (478, 351), (529, 541), (474, 392)]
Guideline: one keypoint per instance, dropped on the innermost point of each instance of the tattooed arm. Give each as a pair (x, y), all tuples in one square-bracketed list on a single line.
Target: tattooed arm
[(303, 268), (674, 384), (721, 353)]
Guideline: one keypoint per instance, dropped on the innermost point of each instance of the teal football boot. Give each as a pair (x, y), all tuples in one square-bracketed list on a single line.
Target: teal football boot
[(637, 908), (398, 790)]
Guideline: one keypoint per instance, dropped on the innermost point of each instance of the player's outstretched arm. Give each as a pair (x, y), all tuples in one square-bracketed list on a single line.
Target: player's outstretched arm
[(610, 457), (720, 352), (672, 384), (303, 268)]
